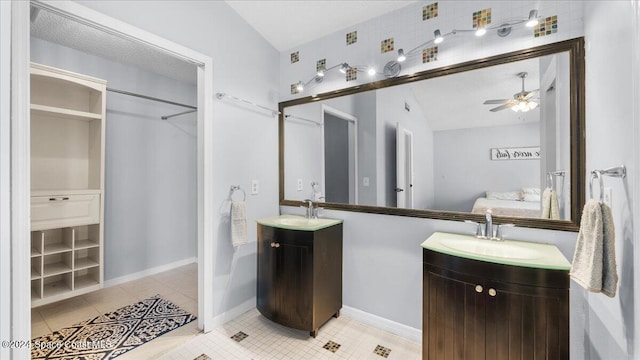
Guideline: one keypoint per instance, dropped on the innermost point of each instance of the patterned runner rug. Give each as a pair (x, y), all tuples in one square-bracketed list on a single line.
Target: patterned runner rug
[(114, 333)]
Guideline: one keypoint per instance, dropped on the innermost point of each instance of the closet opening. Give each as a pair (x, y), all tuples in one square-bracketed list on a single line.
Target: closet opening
[(117, 183)]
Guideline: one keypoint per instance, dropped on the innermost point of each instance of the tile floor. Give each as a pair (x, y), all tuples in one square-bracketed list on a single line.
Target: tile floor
[(178, 286), (252, 336)]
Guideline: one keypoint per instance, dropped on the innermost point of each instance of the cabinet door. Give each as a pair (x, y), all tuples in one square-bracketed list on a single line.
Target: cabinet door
[(453, 316), (294, 282), (525, 322), (266, 281)]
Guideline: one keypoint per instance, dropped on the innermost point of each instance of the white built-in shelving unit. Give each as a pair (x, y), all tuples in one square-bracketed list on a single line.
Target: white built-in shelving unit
[(67, 183)]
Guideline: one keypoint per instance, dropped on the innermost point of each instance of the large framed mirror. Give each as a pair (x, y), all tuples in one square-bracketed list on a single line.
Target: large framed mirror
[(504, 133)]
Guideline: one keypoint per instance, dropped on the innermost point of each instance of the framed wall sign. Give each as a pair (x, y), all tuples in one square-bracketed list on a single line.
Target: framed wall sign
[(521, 153)]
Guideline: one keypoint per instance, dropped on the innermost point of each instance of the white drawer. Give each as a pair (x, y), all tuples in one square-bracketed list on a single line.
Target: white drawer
[(49, 212)]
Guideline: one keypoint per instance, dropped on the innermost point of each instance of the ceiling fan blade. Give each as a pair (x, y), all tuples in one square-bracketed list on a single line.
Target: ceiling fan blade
[(502, 107), (532, 93), (500, 101)]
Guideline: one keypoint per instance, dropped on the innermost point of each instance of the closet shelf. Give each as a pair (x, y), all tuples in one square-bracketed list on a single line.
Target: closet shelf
[(56, 269), (56, 248), (85, 263), (56, 288), (62, 113), (61, 192), (85, 244), (85, 281)]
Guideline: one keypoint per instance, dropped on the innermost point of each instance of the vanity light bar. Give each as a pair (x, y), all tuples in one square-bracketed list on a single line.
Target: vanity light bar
[(504, 29)]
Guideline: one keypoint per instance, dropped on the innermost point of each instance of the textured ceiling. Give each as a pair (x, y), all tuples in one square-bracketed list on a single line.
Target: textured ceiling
[(69, 33), (286, 24), (456, 101)]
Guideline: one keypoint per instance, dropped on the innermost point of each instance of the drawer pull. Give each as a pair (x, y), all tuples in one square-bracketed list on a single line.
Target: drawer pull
[(479, 288), (492, 292), (58, 199), (275, 245)]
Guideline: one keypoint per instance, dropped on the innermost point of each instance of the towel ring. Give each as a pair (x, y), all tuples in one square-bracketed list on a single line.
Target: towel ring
[(235, 188), (597, 175)]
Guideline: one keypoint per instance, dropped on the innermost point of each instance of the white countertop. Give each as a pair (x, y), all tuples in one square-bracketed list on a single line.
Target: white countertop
[(526, 254)]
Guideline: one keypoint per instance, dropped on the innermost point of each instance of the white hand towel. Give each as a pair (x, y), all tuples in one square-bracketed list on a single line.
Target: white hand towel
[(555, 212), (238, 223), (546, 203), (594, 265), (609, 268)]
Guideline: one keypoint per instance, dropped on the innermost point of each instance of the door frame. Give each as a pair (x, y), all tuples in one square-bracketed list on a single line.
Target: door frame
[(353, 126), (402, 135), (19, 166)]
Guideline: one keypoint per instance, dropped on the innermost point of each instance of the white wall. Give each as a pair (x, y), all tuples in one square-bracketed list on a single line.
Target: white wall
[(365, 108), (609, 329), (245, 140), (150, 169), (464, 170)]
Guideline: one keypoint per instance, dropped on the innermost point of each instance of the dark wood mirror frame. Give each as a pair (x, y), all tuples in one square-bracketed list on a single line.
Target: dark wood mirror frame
[(575, 49)]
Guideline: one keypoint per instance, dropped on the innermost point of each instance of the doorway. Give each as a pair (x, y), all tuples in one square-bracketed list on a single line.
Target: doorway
[(340, 156), (19, 165)]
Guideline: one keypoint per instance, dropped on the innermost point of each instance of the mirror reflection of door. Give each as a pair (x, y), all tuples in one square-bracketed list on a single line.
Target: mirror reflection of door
[(404, 167), (340, 157)]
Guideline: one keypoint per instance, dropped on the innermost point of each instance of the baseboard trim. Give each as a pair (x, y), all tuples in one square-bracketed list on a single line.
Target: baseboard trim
[(149, 272), (383, 324), (233, 313)]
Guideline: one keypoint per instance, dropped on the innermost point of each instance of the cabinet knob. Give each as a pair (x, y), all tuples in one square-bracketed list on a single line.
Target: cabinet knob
[(492, 292), (479, 288)]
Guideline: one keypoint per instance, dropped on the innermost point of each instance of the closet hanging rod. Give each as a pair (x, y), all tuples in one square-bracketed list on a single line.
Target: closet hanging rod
[(178, 114), (221, 96), (152, 98)]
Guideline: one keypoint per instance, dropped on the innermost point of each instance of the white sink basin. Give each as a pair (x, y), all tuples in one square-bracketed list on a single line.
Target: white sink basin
[(499, 249), (295, 222)]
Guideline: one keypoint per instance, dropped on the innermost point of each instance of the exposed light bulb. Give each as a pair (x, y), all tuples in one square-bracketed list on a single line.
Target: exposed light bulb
[(437, 37), (371, 71), (532, 105), (533, 18), (300, 86), (344, 68), (401, 56), (481, 31), (321, 71)]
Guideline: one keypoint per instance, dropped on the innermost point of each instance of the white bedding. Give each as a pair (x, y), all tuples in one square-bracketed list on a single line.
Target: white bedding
[(507, 207)]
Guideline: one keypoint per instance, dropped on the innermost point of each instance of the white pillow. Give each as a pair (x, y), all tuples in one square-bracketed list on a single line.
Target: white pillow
[(508, 195), (531, 191)]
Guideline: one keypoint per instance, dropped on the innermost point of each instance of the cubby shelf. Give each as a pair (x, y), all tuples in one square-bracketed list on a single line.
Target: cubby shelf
[(62, 113), (67, 182)]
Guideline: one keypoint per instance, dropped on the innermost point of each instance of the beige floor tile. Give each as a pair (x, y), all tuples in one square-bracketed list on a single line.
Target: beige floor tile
[(38, 326), (110, 299), (67, 312)]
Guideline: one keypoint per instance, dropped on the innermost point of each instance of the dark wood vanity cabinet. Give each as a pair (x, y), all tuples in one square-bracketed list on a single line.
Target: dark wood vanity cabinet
[(300, 276), (479, 310)]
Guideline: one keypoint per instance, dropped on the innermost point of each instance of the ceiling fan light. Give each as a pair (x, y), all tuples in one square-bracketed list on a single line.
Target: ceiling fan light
[(532, 105)]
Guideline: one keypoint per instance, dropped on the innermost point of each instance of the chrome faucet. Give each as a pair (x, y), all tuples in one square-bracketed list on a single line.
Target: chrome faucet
[(485, 231), (488, 225), (308, 206)]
